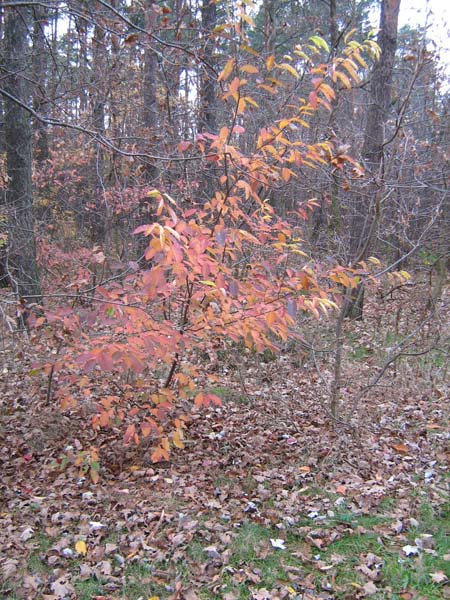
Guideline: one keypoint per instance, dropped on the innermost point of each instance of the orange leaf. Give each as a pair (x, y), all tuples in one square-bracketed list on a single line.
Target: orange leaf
[(199, 399), (131, 39), (129, 434), (270, 318), (183, 146), (146, 429), (401, 448), (241, 106), (94, 475), (286, 174), (214, 399), (160, 454)]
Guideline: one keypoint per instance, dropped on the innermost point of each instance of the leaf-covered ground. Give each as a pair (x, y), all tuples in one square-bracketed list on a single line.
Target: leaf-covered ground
[(269, 500)]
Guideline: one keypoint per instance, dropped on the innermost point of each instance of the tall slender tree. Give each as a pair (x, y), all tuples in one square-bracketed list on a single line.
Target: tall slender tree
[(40, 97), (208, 84), (150, 83), (21, 258), (367, 214)]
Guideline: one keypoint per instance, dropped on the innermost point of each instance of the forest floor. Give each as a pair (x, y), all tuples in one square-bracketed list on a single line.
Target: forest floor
[(270, 499)]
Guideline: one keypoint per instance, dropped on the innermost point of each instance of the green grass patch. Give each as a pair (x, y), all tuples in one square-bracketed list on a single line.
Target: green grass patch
[(360, 353), (228, 394), (399, 573), (140, 581), (89, 588)]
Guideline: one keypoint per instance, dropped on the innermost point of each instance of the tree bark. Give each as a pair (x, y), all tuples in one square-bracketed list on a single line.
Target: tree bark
[(21, 258), (208, 86), (150, 91), (99, 94), (40, 100), (367, 215)]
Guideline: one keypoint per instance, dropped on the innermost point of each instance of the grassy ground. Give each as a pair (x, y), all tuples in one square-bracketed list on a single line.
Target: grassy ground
[(340, 554)]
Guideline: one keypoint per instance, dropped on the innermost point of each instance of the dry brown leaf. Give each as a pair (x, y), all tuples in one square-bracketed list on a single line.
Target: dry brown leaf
[(62, 587), (369, 588), (438, 577), (9, 568)]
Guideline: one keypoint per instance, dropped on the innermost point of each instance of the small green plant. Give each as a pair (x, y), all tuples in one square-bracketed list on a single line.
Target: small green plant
[(428, 258), (228, 395), (360, 353), (224, 393), (86, 461)]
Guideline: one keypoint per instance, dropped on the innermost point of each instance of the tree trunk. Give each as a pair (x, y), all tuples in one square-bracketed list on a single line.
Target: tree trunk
[(2, 106), (207, 116), (40, 100), (366, 217), (150, 110), (208, 93), (98, 94), (21, 259)]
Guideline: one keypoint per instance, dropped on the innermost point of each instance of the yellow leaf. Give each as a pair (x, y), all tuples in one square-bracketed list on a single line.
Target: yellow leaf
[(241, 106), (299, 52), (80, 547), (249, 69), (246, 48), (146, 429), (286, 173), (360, 60), (342, 78), (350, 67), (198, 400), (270, 61), (349, 35), (319, 42), (405, 275), (251, 101), (220, 28), (177, 439), (227, 70), (327, 91), (290, 69), (248, 20), (153, 194)]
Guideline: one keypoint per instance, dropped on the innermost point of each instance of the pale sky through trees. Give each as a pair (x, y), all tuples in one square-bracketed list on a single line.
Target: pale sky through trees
[(436, 15)]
